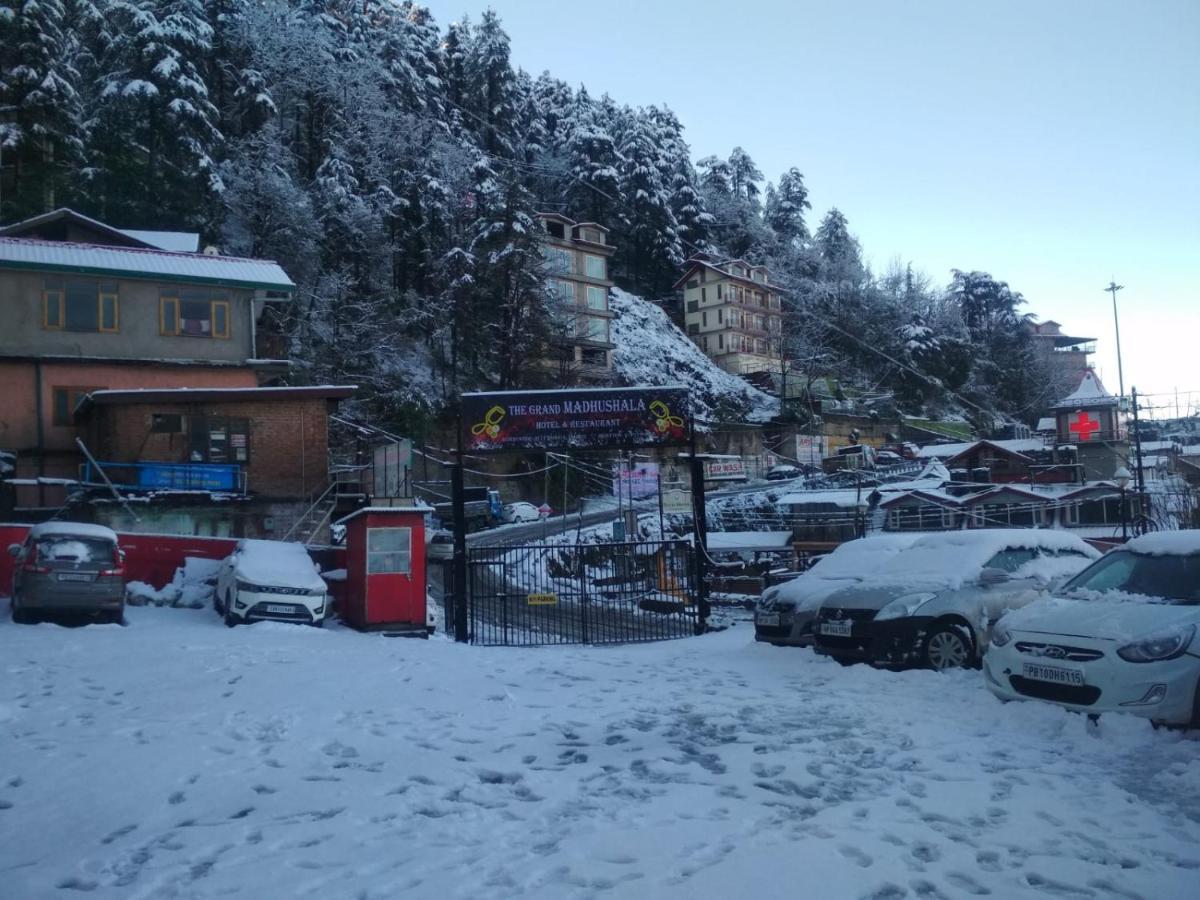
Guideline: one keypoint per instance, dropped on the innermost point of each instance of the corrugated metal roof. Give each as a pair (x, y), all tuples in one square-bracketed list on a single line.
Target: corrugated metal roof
[(62, 256)]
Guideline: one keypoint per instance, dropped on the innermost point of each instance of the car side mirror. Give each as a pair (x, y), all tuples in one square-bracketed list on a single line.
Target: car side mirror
[(991, 576), (14, 550), (121, 555)]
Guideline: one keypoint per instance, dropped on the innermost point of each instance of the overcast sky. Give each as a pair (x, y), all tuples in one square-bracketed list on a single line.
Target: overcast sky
[(1052, 144)]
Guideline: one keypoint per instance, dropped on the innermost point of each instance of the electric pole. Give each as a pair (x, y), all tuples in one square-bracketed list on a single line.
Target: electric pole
[(1112, 288)]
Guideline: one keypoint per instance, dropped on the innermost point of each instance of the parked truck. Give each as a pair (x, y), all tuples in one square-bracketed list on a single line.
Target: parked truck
[(483, 506)]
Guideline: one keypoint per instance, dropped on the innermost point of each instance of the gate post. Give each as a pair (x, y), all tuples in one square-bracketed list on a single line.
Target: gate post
[(699, 532), (461, 633)]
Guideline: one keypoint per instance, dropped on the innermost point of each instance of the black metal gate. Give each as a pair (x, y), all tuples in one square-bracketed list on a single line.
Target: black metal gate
[(581, 593)]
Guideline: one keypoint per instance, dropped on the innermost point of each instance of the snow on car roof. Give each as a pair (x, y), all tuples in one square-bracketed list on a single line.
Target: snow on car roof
[(847, 499), (1167, 543), (949, 559), (285, 563), (74, 529), (851, 560)]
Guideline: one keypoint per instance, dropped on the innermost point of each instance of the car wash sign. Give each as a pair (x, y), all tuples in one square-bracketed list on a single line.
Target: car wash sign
[(575, 419)]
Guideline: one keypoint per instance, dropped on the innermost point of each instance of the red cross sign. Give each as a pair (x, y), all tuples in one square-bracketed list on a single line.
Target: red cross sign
[(1084, 427)]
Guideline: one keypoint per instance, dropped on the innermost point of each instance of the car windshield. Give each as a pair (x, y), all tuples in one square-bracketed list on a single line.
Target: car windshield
[(69, 548), (1124, 575)]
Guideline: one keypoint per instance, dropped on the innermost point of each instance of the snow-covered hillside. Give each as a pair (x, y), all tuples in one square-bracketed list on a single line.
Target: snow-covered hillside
[(652, 350)]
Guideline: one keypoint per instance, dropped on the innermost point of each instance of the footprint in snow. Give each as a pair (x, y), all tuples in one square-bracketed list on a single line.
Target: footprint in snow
[(856, 856)]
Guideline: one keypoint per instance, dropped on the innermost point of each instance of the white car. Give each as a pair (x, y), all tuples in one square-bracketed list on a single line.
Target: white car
[(520, 512), (270, 580), (785, 612), (1119, 637)]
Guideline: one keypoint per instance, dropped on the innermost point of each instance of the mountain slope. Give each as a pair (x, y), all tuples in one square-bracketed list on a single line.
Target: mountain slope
[(652, 350)]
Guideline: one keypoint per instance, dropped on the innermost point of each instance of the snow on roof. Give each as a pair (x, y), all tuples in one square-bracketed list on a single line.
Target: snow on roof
[(1091, 392), (418, 505), (948, 559), (74, 529), (1159, 446), (282, 563), (155, 395), (63, 256), (174, 241), (729, 541), (1047, 423), (1167, 543), (847, 499), (949, 451)]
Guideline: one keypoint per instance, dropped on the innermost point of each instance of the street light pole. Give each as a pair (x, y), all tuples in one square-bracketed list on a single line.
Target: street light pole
[(1112, 288)]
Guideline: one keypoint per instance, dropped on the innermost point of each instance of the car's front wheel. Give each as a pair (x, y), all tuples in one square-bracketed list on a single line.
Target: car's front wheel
[(227, 608), (946, 647)]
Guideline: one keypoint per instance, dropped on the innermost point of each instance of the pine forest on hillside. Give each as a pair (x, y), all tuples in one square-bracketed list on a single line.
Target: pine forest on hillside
[(393, 164)]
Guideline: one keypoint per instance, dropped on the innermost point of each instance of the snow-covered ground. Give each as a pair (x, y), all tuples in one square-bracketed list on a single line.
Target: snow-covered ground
[(176, 758)]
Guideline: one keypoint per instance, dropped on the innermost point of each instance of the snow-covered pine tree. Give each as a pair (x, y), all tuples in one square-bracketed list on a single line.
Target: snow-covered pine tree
[(785, 208), (154, 139), (594, 190), (648, 249), (41, 117)]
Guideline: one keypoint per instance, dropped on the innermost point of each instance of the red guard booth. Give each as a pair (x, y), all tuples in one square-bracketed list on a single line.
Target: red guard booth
[(385, 570)]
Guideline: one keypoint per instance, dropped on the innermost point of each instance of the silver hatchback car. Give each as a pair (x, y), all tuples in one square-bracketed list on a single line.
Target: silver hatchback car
[(68, 568)]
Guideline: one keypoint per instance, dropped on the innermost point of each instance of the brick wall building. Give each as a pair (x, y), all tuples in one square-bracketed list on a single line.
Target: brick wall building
[(275, 439)]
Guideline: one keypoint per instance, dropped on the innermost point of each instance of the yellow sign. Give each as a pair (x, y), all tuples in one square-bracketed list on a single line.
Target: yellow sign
[(541, 599)]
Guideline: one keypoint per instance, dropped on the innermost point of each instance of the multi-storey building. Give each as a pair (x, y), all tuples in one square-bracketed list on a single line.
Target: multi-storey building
[(90, 307), (577, 257), (1065, 355), (733, 312)]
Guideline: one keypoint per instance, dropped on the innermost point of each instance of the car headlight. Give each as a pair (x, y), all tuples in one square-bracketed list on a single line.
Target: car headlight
[(1000, 634), (250, 587), (1166, 644), (903, 606)]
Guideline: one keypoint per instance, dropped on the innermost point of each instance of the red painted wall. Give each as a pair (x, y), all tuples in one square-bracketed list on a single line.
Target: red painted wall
[(152, 558)]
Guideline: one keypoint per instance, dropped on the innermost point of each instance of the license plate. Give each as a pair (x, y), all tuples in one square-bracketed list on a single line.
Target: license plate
[(276, 608), (1052, 674), (835, 628), (75, 576), (768, 618)]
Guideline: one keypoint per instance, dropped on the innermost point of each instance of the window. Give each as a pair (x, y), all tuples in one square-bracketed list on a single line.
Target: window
[(703, 295), (692, 285), (597, 328), (1012, 559), (720, 342), (706, 343), (558, 260), (704, 318), (592, 236), (555, 229), (920, 518), (590, 356), (166, 423), (597, 297), (193, 314), (693, 328), (720, 316), (1100, 511), (218, 439), (389, 551), (735, 342), (760, 322), (563, 290), (80, 305), (693, 306), (63, 402), (720, 291), (594, 266)]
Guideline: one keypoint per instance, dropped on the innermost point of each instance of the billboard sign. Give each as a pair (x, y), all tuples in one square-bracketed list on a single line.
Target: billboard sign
[(575, 419), (635, 482), (724, 468)]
